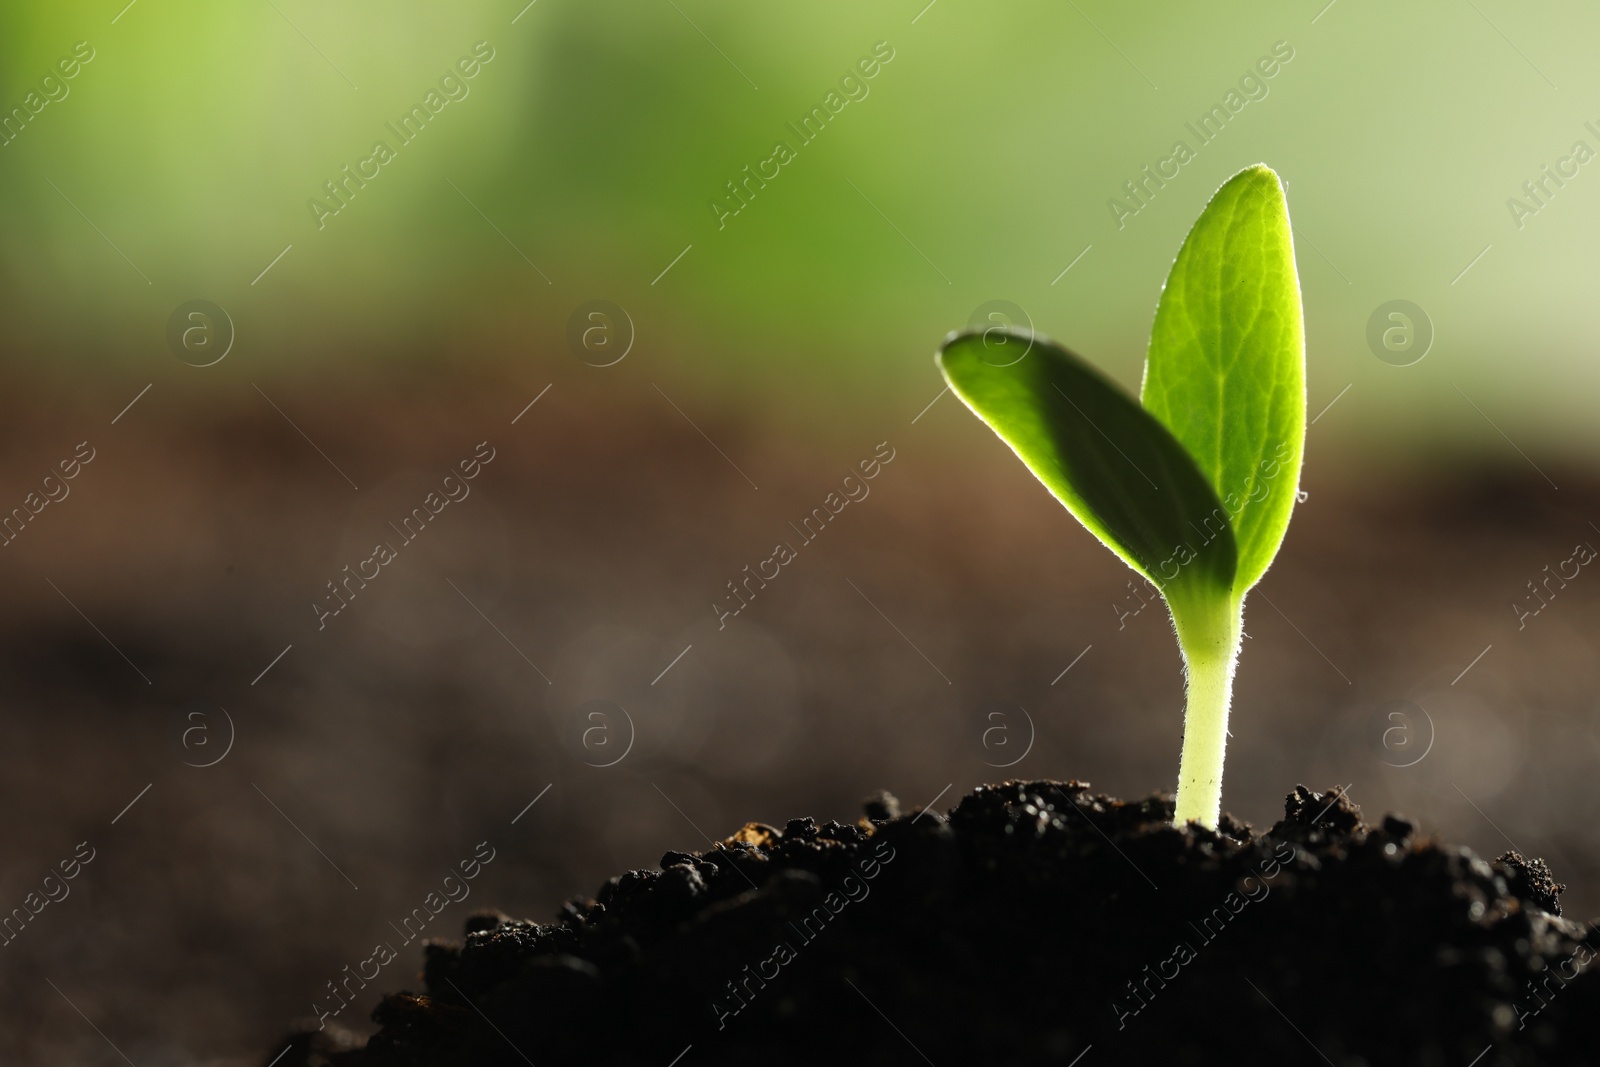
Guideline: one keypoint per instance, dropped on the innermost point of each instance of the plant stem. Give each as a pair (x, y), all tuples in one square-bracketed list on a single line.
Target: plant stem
[(1210, 637)]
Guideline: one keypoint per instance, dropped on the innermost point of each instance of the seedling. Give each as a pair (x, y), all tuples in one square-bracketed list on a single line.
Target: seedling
[(1193, 489)]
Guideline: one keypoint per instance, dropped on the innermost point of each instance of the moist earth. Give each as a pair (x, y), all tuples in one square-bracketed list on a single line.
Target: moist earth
[(1036, 922)]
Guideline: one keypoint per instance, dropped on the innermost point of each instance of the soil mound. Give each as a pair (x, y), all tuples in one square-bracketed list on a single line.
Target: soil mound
[(1035, 923)]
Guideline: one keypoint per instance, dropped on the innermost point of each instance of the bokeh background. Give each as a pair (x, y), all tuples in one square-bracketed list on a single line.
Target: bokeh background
[(266, 799)]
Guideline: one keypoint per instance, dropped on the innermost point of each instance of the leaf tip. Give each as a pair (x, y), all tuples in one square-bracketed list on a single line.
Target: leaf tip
[(1258, 176), (949, 339), (941, 354), (991, 339)]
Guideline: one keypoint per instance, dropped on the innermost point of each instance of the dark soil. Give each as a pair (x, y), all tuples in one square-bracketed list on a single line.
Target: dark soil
[(1037, 923)]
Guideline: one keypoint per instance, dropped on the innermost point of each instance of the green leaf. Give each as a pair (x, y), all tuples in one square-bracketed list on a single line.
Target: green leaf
[(1119, 471), (1226, 369)]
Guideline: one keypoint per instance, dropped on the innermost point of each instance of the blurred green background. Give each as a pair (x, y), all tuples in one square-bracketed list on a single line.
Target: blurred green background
[(982, 161)]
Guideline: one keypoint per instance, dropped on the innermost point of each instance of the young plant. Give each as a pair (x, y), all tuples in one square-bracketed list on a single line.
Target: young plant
[(1194, 488)]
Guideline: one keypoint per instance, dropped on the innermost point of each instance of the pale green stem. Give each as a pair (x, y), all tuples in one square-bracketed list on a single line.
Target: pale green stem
[(1210, 637)]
